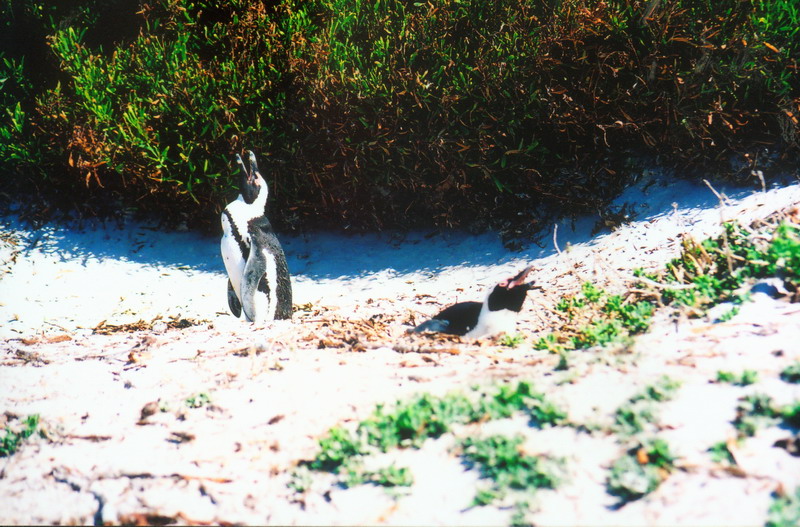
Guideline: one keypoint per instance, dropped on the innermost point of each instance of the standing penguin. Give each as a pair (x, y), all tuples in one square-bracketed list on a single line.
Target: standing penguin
[(496, 314), (258, 277)]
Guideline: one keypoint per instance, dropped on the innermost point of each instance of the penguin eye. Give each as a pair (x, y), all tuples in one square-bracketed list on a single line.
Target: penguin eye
[(503, 284)]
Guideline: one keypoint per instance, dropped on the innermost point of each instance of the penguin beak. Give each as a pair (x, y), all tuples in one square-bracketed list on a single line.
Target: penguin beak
[(519, 280), (243, 176), (253, 164), (254, 173), (248, 181)]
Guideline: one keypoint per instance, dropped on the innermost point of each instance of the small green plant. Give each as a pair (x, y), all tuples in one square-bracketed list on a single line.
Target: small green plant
[(548, 342), (501, 460), (336, 448), (509, 399), (715, 270), (746, 378), (592, 293), (753, 412), (597, 319), (641, 470), (410, 423), (790, 414), (634, 417), (512, 341), (300, 479), (728, 315), (785, 510), (518, 518), (791, 373), (634, 316), (639, 411), (391, 476), (12, 440), (198, 401), (721, 453)]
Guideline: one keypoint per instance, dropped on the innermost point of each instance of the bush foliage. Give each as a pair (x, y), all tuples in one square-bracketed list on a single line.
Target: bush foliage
[(384, 112)]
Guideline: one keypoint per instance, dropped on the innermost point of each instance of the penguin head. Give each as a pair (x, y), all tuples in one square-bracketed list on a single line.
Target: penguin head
[(251, 184), (510, 293)]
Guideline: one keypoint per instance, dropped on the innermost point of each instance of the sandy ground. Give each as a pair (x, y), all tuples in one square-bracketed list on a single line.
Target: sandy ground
[(100, 322)]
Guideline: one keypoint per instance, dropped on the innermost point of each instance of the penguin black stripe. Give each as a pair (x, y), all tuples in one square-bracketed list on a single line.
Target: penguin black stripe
[(237, 236)]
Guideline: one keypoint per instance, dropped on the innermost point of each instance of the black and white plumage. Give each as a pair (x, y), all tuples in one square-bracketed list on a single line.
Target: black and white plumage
[(496, 314), (258, 276)]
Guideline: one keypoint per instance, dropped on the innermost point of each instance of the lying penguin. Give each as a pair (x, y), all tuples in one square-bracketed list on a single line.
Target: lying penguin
[(258, 277), (497, 314)]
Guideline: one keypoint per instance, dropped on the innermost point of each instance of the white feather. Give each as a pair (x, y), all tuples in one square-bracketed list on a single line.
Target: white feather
[(493, 322)]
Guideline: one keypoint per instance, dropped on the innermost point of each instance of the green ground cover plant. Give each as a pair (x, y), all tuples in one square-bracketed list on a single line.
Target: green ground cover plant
[(408, 424), (596, 318), (791, 373), (753, 412), (706, 274), (746, 378), (500, 460), (641, 411), (371, 114), (721, 453), (641, 470), (715, 269), (198, 400), (647, 461), (12, 440), (785, 510)]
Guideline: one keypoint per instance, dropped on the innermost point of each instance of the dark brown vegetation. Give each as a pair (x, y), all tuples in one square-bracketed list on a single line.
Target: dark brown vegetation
[(372, 114)]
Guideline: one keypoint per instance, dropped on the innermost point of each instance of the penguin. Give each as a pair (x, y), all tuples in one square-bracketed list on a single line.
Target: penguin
[(496, 314), (258, 276)]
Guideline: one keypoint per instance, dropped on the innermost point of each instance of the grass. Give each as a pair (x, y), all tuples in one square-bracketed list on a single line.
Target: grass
[(499, 459), (12, 440), (390, 476)]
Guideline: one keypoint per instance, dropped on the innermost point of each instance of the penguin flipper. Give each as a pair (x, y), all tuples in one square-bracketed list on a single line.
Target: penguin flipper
[(233, 301), (435, 325), (457, 319)]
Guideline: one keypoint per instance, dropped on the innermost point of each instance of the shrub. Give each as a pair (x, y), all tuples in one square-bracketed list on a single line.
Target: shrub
[(385, 112)]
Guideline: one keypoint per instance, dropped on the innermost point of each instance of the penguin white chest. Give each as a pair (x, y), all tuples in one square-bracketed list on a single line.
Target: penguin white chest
[(493, 323)]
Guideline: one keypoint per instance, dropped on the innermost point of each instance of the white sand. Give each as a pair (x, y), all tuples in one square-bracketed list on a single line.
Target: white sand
[(269, 409), (65, 278)]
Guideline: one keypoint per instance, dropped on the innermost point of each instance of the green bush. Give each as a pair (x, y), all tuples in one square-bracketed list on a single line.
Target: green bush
[(384, 112)]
